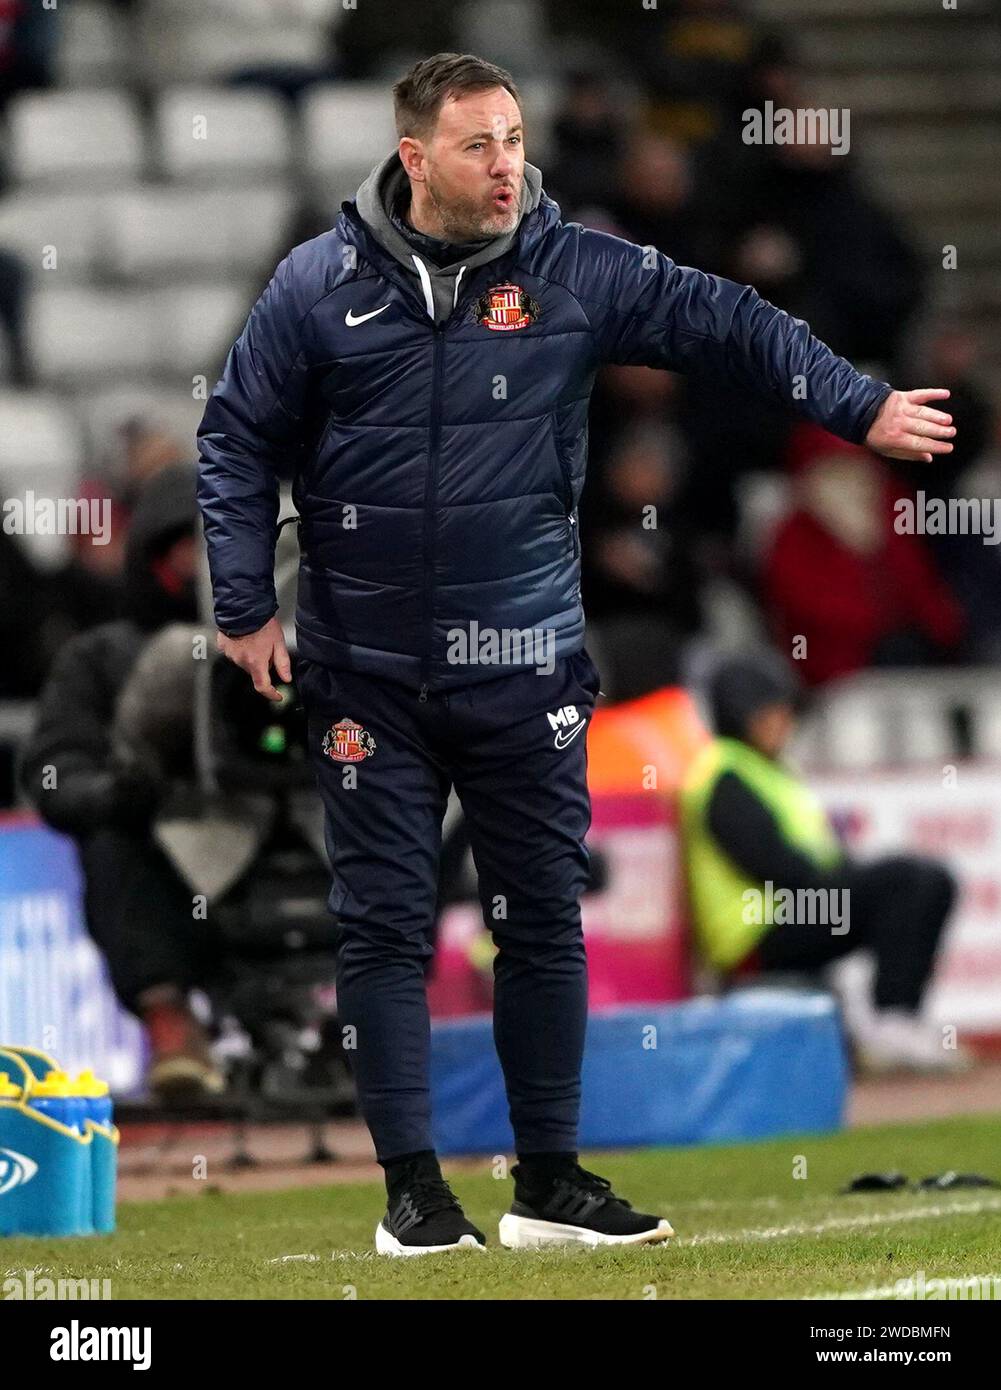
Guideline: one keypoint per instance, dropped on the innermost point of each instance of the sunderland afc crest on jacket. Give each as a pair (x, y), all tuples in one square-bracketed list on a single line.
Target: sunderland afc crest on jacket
[(348, 742), (506, 308)]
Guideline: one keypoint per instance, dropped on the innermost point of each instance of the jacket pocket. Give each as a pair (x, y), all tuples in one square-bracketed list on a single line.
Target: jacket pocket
[(316, 684), (570, 441), (566, 476), (565, 456)]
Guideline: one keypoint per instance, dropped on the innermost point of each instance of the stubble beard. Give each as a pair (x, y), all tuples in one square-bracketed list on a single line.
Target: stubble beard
[(464, 219)]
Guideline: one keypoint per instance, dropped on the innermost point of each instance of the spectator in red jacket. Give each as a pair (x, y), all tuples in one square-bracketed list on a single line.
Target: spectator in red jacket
[(28, 38), (840, 576)]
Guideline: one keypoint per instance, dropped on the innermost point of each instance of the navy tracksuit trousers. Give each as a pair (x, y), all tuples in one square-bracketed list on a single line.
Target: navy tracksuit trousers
[(385, 762)]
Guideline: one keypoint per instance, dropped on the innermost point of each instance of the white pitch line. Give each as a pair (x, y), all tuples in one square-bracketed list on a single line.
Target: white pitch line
[(834, 1223), (839, 1223), (970, 1281)]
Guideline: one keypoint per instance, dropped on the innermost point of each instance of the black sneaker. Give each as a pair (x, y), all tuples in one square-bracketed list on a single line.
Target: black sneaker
[(424, 1217), (575, 1207)]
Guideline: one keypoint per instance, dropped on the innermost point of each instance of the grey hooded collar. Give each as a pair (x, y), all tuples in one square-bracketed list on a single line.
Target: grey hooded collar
[(375, 200)]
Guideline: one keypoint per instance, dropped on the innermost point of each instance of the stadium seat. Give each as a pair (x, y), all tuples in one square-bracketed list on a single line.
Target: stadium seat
[(245, 133), (249, 14), (843, 730), (924, 722), (41, 452), (93, 45), (75, 136), (348, 129), (38, 435), (83, 334), (196, 325), (157, 232), (508, 32), (206, 47), (880, 718), (31, 222), (987, 723), (102, 414), (539, 104), (80, 336)]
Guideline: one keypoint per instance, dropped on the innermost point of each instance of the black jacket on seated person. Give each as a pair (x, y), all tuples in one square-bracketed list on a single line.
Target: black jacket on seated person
[(70, 770)]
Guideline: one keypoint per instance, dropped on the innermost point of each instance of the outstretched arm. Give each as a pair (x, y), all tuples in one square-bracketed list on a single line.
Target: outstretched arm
[(645, 310)]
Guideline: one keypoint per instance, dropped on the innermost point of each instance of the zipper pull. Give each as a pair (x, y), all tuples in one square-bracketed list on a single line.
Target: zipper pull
[(422, 698)]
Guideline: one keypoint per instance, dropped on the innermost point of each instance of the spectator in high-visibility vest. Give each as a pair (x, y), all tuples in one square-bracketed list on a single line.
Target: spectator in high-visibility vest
[(772, 889)]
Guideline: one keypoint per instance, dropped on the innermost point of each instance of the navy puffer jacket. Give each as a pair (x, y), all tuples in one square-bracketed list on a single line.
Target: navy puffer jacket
[(437, 470)]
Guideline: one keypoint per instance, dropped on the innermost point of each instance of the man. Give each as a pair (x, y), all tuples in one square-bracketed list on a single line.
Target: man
[(771, 888), (138, 909), (424, 370)]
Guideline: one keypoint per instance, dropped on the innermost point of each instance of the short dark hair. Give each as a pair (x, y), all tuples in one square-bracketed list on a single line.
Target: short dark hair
[(420, 94)]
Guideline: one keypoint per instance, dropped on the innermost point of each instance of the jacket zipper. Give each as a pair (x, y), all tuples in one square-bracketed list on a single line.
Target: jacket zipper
[(568, 502), (430, 497)]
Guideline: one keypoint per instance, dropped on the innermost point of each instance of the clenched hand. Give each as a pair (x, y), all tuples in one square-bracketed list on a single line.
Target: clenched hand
[(257, 653), (907, 427)]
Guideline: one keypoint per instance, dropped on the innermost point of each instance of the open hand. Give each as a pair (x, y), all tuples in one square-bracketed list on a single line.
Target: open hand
[(907, 427)]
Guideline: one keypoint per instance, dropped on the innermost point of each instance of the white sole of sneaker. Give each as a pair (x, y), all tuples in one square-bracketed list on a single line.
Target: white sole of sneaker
[(387, 1244), (873, 1065), (527, 1233)]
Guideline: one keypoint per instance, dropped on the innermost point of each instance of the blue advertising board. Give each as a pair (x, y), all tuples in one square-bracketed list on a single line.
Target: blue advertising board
[(54, 990)]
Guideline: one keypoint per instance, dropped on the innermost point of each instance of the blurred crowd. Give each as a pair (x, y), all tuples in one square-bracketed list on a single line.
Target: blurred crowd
[(710, 518)]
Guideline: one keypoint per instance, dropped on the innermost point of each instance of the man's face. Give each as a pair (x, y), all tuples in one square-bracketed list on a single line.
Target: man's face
[(472, 165), (769, 729)]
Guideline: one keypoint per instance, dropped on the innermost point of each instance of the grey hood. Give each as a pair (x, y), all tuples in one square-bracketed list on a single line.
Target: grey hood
[(377, 196)]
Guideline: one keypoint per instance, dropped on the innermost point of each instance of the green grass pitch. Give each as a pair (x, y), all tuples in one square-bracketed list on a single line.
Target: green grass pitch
[(746, 1228)]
